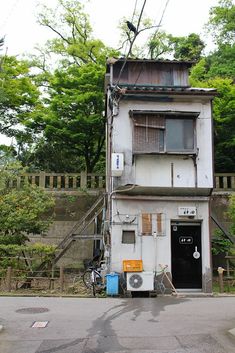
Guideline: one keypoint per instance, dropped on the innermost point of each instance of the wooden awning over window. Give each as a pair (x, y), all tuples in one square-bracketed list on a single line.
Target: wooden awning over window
[(167, 113)]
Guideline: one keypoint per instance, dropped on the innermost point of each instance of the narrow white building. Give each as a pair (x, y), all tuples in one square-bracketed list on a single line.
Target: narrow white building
[(159, 172)]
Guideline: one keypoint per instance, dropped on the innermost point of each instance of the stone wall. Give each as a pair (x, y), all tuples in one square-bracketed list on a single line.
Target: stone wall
[(68, 210), (219, 208)]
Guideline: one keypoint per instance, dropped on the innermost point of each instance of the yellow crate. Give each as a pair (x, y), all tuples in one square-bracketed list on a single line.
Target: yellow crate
[(132, 265)]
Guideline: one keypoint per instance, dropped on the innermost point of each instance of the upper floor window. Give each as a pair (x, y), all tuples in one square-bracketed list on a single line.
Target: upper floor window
[(155, 132)]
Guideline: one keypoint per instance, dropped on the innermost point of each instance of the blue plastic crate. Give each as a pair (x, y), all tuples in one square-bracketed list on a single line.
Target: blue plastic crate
[(112, 283)]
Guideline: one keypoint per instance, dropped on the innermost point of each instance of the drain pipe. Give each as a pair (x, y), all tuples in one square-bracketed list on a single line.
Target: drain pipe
[(109, 206), (155, 251)]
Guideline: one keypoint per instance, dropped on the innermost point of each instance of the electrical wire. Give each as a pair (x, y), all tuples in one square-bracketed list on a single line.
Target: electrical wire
[(136, 1), (161, 19), (131, 44), (158, 26), (132, 19)]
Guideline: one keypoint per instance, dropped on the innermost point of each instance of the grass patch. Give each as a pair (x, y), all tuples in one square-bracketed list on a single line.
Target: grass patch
[(229, 286)]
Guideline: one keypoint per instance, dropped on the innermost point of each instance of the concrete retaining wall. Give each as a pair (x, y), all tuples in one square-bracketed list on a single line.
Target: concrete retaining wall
[(68, 210)]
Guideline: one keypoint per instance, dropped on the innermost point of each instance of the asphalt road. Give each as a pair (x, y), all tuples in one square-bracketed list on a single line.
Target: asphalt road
[(137, 325)]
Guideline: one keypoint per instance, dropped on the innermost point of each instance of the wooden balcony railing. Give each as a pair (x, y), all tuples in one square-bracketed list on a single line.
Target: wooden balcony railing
[(59, 181), (82, 181)]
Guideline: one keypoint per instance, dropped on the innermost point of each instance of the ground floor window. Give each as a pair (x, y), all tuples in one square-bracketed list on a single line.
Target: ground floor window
[(128, 237)]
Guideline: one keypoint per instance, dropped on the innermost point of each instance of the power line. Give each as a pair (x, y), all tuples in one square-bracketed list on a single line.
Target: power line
[(158, 26), (163, 14), (132, 19), (136, 1), (131, 43)]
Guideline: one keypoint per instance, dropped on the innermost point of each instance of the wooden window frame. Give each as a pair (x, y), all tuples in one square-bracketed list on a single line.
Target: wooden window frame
[(149, 131)]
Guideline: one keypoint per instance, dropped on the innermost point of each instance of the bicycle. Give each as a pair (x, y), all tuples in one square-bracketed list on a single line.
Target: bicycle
[(160, 279), (93, 279)]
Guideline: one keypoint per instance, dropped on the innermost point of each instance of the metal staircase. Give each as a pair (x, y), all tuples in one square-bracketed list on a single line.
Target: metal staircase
[(224, 231), (77, 232)]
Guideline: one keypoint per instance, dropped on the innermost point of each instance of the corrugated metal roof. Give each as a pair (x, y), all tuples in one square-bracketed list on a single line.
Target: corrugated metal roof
[(165, 89), (165, 61)]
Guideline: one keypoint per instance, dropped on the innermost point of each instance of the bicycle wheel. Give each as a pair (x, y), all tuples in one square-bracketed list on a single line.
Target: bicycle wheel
[(87, 279), (94, 289)]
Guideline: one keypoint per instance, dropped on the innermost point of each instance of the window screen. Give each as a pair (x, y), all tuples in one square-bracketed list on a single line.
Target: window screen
[(128, 237)]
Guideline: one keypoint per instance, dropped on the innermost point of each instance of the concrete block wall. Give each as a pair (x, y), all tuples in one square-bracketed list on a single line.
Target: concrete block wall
[(68, 210)]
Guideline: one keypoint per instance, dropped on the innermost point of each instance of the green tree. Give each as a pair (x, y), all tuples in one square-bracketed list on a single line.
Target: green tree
[(73, 123), (222, 22), (231, 213), (223, 114), (73, 41), (18, 94), (188, 48), (164, 45), (22, 210), (160, 45), (218, 70), (69, 130)]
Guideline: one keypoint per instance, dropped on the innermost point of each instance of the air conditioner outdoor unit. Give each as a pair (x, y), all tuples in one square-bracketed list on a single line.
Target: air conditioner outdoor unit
[(140, 281)]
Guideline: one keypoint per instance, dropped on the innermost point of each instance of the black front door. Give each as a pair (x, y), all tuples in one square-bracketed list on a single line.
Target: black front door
[(186, 255)]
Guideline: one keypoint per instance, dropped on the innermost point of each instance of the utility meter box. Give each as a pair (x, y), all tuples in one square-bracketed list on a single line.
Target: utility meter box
[(117, 164)]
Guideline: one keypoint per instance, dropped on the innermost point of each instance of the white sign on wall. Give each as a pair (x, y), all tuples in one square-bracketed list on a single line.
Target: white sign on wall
[(187, 211), (117, 164)]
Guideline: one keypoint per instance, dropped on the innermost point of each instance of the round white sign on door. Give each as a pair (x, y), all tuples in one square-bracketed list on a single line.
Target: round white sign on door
[(196, 255)]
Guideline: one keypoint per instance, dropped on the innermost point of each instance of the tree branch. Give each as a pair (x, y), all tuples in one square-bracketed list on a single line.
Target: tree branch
[(57, 32)]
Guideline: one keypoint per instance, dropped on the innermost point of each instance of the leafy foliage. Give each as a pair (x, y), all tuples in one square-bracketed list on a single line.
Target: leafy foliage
[(222, 22), (223, 113), (188, 48), (23, 210), (68, 130), (24, 256), (220, 245), (160, 45), (73, 124), (18, 94), (231, 212)]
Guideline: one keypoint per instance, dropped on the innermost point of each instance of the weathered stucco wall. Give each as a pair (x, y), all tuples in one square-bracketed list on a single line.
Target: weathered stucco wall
[(160, 166), (156, 251)]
